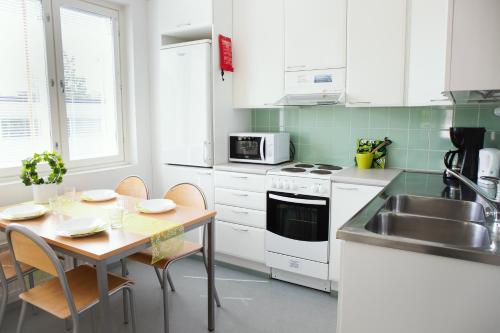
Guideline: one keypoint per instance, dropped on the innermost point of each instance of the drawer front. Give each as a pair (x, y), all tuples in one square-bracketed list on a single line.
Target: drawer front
[(240, 181), (251, 200), (297, 265), (244, 216), (240, 241)]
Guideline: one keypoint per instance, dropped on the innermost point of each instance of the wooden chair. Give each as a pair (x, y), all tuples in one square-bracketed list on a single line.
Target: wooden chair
[(133, 186), (185, 195), (7, 276), (67, 294)]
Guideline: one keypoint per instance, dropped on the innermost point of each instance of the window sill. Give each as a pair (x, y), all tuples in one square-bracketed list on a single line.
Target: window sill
[(13, 180)]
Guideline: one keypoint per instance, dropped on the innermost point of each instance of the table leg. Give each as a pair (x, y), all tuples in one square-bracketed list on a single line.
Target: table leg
[(104, 307), (211, 277)]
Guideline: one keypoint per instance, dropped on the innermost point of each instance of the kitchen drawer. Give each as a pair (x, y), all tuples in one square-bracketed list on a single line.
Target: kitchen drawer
[(240, 181), (251, 200), (297, 265), (249, 217), (240, 241)]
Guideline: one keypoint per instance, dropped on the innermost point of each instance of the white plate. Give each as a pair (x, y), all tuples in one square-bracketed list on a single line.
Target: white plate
[(23, 212), (80, 226), (155, 206), (98, 195)]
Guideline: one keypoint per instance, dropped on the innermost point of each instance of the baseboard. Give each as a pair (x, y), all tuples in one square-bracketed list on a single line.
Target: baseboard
[(242, 264)]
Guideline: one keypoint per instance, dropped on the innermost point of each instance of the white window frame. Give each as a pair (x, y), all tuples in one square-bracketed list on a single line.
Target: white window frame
[(55, 71)]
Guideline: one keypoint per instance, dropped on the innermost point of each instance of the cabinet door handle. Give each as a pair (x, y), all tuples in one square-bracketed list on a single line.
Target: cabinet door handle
[(238, 229), (240, 212), (361, 102), (240, 195), (240, 177), (347, 188), (183, 24), (295, 67), (204, 173), (440, 100)]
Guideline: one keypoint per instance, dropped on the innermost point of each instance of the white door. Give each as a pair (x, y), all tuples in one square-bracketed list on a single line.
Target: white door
[(315, 34), (258, 52), (426, 45), (375, 52), (184, 14), (186, 104), (346, 201)]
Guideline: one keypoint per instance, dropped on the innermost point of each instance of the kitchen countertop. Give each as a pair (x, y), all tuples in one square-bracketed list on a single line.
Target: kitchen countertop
[(259, 169), (420, 184), (374, 177)]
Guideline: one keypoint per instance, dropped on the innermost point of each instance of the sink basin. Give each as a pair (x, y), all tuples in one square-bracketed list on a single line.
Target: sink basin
[(432, 229), (437, 207)]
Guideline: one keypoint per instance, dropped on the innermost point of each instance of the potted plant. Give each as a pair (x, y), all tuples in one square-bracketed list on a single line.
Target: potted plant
[(43, 188)]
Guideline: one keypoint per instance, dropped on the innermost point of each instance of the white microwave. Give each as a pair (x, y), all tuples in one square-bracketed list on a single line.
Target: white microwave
[(265, 148)]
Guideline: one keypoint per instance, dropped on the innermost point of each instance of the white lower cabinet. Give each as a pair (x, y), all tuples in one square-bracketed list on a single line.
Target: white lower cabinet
[(243, 216), (237, 198), (346, 201), (240, 241)]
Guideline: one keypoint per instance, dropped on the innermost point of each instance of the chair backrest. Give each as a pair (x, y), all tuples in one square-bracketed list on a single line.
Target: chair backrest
[(133, 186), (29, 248), (187, 194)]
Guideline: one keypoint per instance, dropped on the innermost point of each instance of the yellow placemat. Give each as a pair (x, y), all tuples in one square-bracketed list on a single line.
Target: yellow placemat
[(165, 235)]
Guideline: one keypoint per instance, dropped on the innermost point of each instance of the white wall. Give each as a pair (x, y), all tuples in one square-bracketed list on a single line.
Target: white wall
[(137, 120)]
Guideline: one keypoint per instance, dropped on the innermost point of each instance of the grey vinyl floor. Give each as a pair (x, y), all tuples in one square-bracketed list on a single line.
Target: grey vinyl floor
[(250, 303)]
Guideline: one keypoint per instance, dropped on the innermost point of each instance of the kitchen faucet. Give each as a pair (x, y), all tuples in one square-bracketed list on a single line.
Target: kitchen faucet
[(494, 204)]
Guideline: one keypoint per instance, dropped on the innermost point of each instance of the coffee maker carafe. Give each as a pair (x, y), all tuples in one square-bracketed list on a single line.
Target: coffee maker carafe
[(465, 159)]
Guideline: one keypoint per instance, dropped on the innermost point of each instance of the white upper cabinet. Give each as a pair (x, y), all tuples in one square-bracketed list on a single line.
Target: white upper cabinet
[(474, 46), (258, 53), (184, 14), (376, 52), (315, 34), (426, 45)]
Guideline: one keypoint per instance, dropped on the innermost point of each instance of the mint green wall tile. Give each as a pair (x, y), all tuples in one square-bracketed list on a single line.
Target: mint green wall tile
[(343, 159), (492, 139), (487, 117), (378, 133), (324, 153), (307, 117), (321, 137), (440, 140), (359, 133), (274, 118), (291, 117), (341, 117), (399, 117), (421, 117), (418, 139), (262, 118), (339, 140), (379, 118), (417, 159), (396, 158), (307, 153), (399, 138), (436, 161), (324, 117), (442, 117), (360, 117), (466, 116)]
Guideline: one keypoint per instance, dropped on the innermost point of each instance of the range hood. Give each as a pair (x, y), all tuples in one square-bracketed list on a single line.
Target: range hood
[(310, 99), (314, 87), (474, 96)]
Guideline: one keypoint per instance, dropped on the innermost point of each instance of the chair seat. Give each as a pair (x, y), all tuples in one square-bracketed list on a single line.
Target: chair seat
[(145, 256), (9, 268), (82, 282)]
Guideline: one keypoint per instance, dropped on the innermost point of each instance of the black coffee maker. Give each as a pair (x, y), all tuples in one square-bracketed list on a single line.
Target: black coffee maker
[(465, 160)]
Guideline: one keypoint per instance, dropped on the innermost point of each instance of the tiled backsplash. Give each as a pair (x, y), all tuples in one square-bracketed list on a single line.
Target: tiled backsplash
[(420, 136)]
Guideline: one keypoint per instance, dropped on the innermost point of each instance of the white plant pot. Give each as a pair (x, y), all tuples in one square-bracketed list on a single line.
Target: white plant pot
[(42, 193)]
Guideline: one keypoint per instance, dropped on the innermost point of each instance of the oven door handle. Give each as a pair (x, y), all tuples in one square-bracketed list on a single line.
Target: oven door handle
[(300, 201), (262, 148)]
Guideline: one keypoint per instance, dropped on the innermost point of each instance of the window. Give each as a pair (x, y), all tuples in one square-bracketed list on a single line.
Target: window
[(60, 82)]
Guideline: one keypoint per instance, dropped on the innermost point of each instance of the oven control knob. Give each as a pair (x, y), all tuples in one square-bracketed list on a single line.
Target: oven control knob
[(315, 188), (279, 185), (293, 186), (273, 183), (321, 189), (286, 186)]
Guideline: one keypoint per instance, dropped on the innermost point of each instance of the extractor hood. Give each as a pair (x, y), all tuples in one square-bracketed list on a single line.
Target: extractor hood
[(474, 96), (314, 87)]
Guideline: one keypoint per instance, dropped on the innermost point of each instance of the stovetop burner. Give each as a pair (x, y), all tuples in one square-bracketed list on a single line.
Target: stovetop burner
[(293, 170), (321, 172), (328, 167), (304, 165)]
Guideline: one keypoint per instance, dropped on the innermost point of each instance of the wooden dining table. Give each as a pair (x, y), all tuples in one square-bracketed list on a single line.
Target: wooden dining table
[(112, 245)]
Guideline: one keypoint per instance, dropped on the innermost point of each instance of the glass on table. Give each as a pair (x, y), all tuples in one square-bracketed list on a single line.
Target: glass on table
[(69, 193), (116, 214)]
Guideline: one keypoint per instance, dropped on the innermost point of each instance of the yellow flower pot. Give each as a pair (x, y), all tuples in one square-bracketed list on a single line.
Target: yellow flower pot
[(364, 160)]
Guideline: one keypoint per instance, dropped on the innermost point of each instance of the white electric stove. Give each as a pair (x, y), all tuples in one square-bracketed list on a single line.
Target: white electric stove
[(298, 223)]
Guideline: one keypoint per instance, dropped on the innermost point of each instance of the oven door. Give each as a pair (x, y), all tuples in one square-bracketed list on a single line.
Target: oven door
[(298, 225), (247, 148)]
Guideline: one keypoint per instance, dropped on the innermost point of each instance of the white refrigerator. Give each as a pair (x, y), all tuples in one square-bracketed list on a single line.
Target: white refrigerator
[(186, 103)]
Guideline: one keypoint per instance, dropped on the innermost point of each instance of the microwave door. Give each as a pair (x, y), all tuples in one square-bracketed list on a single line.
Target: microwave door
[(246, 148), (263, 149)]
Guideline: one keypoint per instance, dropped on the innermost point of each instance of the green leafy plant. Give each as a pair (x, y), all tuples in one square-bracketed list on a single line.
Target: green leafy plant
[(29, 173)]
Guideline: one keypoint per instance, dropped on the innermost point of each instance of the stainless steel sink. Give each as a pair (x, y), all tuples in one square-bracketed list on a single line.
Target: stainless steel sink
[(437, 207), (449, 222), (431, 229)]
